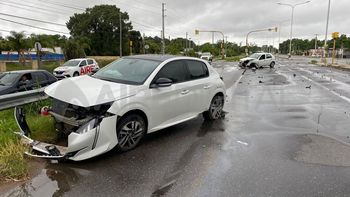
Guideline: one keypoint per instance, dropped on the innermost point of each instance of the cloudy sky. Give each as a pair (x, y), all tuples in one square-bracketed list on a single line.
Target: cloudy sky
[(233, 17)]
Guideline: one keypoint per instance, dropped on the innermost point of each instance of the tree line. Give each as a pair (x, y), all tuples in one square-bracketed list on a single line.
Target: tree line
[(96, 32)]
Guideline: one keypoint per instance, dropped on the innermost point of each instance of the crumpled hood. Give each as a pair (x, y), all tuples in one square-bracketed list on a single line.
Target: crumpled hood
[(246, 58), (86, 91)]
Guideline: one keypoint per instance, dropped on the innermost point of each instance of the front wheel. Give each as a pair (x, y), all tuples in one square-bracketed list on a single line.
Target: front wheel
[(215, 109), (272, 65), (130, 130)]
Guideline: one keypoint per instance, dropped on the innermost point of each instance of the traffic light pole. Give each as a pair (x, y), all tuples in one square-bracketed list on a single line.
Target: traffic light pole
[(223, 39)]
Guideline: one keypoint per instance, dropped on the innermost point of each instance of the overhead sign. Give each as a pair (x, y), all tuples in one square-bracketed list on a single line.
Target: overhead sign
[(335, 35)]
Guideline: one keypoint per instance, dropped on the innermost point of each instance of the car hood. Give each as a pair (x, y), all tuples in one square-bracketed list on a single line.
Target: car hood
[(246, 58), (62, 68), (86, 91)]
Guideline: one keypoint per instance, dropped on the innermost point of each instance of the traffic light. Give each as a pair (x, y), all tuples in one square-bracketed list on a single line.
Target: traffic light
[(196, 31)]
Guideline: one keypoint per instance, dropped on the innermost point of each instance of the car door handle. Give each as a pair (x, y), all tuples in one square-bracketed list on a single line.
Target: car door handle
[(207, 87), (185, 92)]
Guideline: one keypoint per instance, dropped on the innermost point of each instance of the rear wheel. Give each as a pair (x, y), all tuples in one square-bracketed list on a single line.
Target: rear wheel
[(272, 65), (130, 130), (215, 109)]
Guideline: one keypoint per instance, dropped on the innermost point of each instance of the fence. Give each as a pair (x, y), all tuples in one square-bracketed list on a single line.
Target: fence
[(15, 57)]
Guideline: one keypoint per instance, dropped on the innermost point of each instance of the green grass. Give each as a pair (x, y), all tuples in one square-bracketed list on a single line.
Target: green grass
[(13, 165), (45, 65), (313, 62), (233, 58)]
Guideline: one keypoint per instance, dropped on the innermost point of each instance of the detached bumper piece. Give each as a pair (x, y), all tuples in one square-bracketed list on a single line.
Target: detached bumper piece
[(43, 150)]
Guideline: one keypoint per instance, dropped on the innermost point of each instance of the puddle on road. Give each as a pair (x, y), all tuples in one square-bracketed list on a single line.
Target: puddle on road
[(54, 180), (323, 150)]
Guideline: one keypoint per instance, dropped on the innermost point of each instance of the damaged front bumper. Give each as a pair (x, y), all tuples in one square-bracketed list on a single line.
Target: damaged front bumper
[(91, 139)]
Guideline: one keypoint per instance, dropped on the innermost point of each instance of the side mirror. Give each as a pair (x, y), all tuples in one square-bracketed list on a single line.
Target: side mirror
[(162, 82)]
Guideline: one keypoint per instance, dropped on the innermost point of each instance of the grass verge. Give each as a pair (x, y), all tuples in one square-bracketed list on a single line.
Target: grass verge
[(45, 65), (233, 58), (13, 164)]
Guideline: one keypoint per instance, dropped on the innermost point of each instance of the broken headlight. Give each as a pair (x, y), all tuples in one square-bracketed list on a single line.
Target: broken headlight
[(88, 126)]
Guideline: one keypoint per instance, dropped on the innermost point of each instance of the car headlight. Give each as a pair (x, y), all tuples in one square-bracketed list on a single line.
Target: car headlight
[(88, 126)]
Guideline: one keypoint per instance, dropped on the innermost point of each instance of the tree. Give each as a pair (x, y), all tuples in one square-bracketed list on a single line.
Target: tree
[(135, 37), (73, 49), (100, 25), (18, 42)]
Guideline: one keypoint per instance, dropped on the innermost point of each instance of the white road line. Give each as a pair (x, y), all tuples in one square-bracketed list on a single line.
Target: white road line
[(322, 86)]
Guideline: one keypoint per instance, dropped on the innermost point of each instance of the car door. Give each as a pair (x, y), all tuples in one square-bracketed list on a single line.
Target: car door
[(170, 105), (201, 86), (262, 60), (83, 66), (268, 59)]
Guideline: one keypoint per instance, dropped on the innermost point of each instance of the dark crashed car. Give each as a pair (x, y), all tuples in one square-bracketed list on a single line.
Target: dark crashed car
[(22, 80)]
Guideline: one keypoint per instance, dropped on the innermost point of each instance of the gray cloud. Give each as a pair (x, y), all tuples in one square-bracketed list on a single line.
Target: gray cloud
[(233, 17)]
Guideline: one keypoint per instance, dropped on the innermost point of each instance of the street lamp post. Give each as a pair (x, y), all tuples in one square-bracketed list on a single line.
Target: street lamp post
[(291, 23), (259, 30), (325, 39), (223, 39)]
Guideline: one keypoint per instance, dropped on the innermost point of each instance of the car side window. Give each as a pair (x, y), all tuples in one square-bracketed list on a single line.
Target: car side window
[(197, 69), (83, 63), (39, 77), (90, 62), (174, 70), (268, 56), (262, 57)]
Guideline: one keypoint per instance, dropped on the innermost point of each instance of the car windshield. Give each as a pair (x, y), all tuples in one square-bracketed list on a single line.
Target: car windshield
[(8, 79), (127, 70), (72, 63), (255, 55)]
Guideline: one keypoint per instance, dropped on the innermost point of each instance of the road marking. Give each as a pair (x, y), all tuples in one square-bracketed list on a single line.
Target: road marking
[(322, 86)]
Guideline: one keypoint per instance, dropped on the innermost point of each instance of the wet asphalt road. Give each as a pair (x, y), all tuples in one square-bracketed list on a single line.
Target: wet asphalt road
[(285, 134)]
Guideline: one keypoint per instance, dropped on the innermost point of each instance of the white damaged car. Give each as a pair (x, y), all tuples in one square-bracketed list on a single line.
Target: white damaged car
[(125, 100), (258, 60)]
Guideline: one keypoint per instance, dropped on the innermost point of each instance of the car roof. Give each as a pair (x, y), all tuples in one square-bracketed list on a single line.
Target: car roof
[(24, 71), (159, 58)]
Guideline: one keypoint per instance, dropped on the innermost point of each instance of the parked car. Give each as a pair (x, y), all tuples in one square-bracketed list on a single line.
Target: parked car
[(127, 99), (17, 81), (76, 67), (258, 60), (207, 56)]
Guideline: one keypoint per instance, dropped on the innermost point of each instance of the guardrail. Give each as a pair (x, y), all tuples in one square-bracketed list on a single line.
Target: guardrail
[(21, 98)]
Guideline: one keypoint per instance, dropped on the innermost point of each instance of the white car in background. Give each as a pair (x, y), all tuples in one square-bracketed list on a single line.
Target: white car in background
[(124, 101), (207, 56), (76, 67), (258, 60)]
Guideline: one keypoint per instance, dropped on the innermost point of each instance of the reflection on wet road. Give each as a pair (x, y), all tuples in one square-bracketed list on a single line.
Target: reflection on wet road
[(285, 134)]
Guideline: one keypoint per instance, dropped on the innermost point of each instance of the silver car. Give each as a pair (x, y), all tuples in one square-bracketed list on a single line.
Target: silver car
[(258, 60)]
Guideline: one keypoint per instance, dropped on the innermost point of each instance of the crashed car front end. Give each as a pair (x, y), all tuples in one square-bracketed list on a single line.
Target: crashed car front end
[(246, 62), (89, 131)]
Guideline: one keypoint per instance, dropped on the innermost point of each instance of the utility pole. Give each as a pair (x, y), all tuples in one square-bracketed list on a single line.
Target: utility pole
[(316, 42), (120, 35), (212, 38), (143, 43), (186, 44), (326, 34), (163, 41)]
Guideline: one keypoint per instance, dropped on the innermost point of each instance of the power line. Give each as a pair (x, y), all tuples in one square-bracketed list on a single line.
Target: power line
[(31, 19), (34, 26), (40, 10), (64, 5), (31, 6)]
